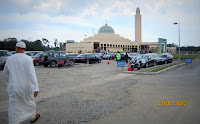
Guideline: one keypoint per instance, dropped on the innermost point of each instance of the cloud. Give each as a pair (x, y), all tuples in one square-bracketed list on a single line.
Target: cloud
[(120, 8), (50, 6), (158, 6), (44, 18), (90, 11), (63, 17)]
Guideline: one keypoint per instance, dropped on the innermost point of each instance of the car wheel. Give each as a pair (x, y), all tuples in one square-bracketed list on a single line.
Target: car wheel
[(99, 61), (53, 64), (147, 65), (87, 62), (165, 62), (45, 65), (71, 62), (36, 63), (139, 68)]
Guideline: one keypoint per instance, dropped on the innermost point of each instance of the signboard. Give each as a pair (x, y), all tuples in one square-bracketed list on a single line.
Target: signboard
[(120, 63), (188, 60)]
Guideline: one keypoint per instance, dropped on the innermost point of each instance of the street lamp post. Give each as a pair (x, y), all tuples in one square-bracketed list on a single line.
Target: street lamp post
[(179, 40)]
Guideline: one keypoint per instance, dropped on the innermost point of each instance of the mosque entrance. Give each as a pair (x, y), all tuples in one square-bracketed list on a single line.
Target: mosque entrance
[(134, 50), (162, 45), (96, 47), (163, 48)]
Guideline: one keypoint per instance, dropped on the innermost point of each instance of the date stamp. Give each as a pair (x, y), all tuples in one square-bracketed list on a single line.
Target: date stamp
[(171, 103)]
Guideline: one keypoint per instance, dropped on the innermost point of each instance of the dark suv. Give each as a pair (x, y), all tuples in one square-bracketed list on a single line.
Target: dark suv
[(53, 57)]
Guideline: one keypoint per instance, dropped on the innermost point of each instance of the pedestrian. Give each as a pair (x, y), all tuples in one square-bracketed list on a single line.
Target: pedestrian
[(22, 86), (126, 58), (118, 56)]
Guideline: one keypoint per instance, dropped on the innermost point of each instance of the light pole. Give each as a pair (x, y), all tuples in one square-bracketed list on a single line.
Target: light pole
[(179, 40)]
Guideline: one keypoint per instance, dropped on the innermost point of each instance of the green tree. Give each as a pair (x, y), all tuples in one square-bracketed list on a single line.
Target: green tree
[(9, 45), (38, 45)]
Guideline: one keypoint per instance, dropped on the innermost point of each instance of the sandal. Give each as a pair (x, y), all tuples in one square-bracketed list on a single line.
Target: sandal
[(34, 120)]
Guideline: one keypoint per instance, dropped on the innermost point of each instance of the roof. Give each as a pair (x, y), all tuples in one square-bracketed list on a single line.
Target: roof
[(106, 29)]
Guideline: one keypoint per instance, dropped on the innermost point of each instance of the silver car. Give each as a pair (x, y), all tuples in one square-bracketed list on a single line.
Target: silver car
[(4, 54)]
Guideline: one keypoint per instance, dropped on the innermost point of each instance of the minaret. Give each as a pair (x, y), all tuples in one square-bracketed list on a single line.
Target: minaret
[(138, 26), (138, 29)]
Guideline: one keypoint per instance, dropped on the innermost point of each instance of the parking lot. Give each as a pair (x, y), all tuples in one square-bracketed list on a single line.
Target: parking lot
[(91, 93)]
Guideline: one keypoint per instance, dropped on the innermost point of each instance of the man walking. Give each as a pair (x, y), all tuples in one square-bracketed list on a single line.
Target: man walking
[(126, 58), (22, 86)]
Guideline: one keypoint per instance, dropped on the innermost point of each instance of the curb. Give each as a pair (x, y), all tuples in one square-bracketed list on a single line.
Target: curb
[(155, 73)]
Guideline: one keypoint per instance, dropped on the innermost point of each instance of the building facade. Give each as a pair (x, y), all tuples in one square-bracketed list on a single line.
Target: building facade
[(107, 40)]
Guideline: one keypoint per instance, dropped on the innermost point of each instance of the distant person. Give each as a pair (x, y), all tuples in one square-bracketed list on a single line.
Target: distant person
[(22, 86), (126, 58), (118, 56)]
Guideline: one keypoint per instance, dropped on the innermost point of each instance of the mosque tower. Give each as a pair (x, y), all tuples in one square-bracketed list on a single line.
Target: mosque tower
[(138, 27)]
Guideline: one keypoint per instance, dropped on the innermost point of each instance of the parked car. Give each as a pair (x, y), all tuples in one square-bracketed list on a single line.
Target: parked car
[(164, 58), (100, 55), (107, 56), (53, 57), (37, 59), (112, 55), (72, 55), (4, 54), (31, 54), (132, 55), (138, 58), (87, 58), (153, 57), (147, 61)]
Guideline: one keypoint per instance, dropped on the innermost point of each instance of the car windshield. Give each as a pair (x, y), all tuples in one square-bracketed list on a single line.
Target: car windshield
[(36, 56), (81, 55), (145, 57), (162, 56)]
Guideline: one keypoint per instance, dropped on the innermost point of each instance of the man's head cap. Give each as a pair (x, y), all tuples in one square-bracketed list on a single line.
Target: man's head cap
[(21, 44)]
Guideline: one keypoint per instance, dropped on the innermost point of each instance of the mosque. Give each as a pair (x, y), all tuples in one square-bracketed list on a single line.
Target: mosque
[(107, 40)]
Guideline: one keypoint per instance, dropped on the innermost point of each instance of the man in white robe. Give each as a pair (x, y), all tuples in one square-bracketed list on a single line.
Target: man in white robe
[(22, 86)]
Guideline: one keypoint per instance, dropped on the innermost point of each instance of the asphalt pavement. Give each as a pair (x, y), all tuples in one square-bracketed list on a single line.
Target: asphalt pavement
[(102, 94), (182, 84)]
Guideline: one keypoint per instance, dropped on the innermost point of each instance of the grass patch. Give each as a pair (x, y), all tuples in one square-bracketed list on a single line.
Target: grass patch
[(176, 56), (159, 69)]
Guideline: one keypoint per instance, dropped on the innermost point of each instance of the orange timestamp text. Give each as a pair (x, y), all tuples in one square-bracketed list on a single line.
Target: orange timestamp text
[(171, 103)]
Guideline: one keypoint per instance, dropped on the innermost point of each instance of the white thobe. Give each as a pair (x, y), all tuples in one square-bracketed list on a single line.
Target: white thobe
[(19, 75)]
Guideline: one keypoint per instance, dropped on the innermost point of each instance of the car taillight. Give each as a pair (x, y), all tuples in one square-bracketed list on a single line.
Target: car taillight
[(82, 58)]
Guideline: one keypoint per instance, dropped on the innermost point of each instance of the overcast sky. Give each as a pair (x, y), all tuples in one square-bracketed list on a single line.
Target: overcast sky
[(73, 19)]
